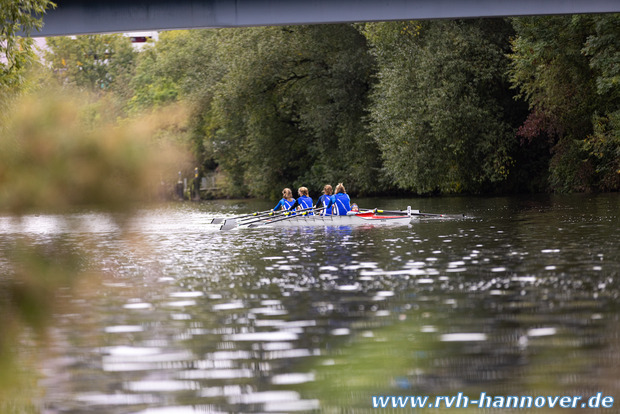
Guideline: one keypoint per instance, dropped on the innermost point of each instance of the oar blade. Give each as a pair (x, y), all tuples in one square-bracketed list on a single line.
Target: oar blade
[(220, 220), (229, 224)]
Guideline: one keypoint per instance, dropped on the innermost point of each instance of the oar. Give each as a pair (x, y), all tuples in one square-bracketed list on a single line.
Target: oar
[(416, 213), (233, 222), (221, 219), (265, 216), (288, 215), (280, 212)]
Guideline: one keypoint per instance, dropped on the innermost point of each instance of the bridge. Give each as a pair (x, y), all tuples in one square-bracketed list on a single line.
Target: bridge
[(109, 16)]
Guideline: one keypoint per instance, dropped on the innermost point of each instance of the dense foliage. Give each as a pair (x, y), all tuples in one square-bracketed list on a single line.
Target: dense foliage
[(18, 17), (568, 69), (274, 107), (99, 63), (439, 111), (424, 107)]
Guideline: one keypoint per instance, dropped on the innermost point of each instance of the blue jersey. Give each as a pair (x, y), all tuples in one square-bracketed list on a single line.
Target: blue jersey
[(341, 203), (284, 204), (323, 202), (304, 202)]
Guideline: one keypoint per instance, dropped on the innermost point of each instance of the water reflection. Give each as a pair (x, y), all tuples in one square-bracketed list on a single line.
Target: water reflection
[(518, 298)]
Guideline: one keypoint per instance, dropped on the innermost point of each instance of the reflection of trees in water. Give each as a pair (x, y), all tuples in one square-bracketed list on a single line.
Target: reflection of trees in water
[(504, 344), (32, 274)]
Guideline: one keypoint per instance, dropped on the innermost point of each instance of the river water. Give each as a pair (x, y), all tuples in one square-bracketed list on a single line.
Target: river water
[(519, 297)]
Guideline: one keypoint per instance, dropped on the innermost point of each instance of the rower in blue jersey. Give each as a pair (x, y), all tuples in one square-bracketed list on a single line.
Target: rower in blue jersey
[(323, 201), (304, 202), (286, 202), (340, 201)]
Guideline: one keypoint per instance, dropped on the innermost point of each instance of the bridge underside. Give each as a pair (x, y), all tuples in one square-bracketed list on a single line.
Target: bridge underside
[(106, 16)]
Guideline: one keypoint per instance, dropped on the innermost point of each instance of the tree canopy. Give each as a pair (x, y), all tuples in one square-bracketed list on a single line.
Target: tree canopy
[(274, 106), (423, 107), (566, 67), (94, 62), (18, 19), (438, 111)]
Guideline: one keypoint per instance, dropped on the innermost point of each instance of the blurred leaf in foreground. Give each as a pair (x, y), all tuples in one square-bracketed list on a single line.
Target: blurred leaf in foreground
[(31, 276), (60, 151)]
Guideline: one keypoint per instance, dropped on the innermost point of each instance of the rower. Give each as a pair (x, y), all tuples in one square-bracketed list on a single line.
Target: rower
[(340, 201), (324, 200), (287, 200), (303, 202)]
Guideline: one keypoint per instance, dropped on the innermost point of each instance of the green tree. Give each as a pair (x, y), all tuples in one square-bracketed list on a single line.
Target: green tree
[(439, 111), (272, 106), (291, 109), (181, 66), (603, 145), (18, 19), (93, 62), (566, 68)]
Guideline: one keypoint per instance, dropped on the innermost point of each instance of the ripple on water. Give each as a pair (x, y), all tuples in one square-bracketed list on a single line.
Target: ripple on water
[(126, 358), (181, 409), (292, 378), (138, 305), (276, 336), (463, 337), (229, 306), (180, 303), (161, 386), (192, 294), (548, 331), (123, 329), (216, 374), (97, 399), (268, 311)]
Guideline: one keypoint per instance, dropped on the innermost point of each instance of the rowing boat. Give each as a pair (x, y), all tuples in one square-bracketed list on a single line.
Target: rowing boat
[(319, 220), (313, 217)]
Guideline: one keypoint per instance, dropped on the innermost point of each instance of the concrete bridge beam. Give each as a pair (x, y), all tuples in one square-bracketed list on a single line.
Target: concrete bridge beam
[(108, 16)]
